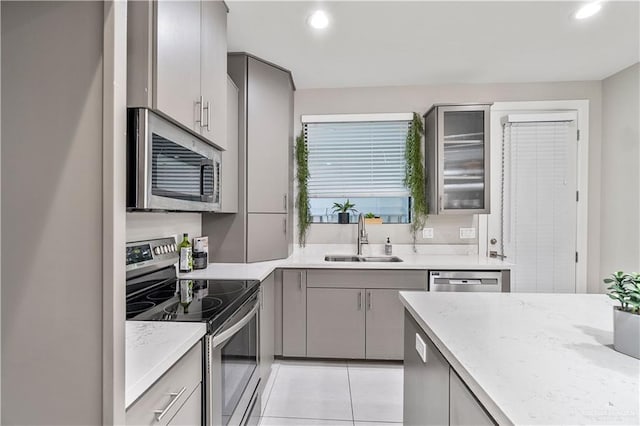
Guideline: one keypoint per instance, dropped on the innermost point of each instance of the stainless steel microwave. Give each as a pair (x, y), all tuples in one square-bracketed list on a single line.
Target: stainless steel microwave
[(168, 167)]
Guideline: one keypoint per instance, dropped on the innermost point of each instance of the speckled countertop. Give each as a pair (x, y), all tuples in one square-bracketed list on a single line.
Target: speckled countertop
[(534, 358), (152, 348)]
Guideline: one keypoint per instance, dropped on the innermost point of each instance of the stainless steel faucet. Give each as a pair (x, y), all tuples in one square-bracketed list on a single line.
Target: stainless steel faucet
[(363, 238)]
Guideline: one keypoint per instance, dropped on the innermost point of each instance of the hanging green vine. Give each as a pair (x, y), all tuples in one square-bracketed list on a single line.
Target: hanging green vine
[(414, 177), (302, 199)]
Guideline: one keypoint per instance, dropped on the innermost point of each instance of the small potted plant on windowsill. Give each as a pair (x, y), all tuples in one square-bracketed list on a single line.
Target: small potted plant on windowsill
[(372, 219), (625, 288), (343, 210)]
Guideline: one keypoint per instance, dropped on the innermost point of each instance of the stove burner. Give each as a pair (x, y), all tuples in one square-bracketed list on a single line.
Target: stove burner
[(208, 304), (161, 295), (139, 307)]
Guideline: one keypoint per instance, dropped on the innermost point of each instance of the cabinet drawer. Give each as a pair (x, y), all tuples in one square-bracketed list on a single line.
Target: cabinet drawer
[(170, 392), (405, 279)]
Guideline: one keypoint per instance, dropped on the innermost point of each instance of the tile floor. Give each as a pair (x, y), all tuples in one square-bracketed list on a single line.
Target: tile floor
[(340, 393)]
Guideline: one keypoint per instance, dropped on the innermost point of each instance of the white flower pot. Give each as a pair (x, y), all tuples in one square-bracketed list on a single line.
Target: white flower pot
[(626, 333)]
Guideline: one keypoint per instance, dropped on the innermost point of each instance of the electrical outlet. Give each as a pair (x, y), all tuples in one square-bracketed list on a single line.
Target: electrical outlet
[(467, 233), (427, 232)]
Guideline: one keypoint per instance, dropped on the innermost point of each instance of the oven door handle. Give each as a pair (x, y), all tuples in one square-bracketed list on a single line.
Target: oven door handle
[(219, 339)]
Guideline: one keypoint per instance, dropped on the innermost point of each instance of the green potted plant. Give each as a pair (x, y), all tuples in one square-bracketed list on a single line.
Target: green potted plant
[(625, 288), (372, 219), (302, 197), (343, 210), (415, 176)]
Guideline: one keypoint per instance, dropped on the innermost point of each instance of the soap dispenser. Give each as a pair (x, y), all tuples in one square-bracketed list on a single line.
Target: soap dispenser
[(388, 248)]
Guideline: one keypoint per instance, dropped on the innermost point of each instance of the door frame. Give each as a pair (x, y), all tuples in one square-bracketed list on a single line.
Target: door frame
[(499, 109)]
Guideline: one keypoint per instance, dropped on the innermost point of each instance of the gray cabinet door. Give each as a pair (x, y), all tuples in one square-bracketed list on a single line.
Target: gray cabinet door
[(426, 383), (267, 327), (335, 323), (294, 313), (191, 411), (177, 67), (464, 408), (213, 66), (266, 236), (384, 325), (269, 111), (229, 178)]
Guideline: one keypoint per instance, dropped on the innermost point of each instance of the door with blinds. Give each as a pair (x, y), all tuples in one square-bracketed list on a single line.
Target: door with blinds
[(536, 227)]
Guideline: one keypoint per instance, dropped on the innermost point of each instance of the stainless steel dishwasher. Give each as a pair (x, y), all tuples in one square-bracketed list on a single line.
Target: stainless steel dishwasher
[(469, 281)]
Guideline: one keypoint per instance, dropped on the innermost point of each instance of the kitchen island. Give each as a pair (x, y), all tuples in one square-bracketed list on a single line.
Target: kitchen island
[(525, 358)]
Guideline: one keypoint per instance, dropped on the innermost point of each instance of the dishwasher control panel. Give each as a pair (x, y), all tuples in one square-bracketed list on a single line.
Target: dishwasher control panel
[(469, 281)]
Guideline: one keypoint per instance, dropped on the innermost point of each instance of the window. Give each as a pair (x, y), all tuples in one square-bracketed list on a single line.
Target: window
[(360, 158)]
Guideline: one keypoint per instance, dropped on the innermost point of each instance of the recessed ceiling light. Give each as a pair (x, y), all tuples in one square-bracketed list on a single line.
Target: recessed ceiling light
[(588, 10), (319, 20)]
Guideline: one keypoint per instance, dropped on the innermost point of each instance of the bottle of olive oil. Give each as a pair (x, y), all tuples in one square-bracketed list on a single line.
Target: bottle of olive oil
[(186, 254)]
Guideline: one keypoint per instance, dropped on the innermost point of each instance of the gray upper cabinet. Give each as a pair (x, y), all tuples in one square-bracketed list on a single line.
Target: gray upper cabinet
[(229, 178), (294, 313), (335, 323), (457, 158), (213, 61), (267, 235), (269, 137), (176, 62)]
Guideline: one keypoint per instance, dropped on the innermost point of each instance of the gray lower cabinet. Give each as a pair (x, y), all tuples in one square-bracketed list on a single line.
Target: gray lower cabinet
[(426, 381), (294, 313), (267, 234), (335, 323), (267, 327), (464, 408), (384, 324), (176, 398)]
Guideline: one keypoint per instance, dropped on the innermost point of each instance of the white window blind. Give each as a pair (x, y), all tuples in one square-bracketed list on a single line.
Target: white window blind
[(356, 159), (540, 183)]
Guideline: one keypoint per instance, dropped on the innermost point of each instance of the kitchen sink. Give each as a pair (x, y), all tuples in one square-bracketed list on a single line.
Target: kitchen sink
[(353, 258)]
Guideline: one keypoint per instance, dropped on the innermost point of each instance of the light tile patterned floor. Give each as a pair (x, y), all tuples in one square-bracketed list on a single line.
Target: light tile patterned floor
[(340, 393)]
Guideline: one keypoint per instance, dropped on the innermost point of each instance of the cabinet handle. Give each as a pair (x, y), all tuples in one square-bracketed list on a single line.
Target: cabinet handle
[(285, 202), (369, 304), (200, 103), (176, 396), (300, 282), (284, 225), (359, 300), (208, 116)]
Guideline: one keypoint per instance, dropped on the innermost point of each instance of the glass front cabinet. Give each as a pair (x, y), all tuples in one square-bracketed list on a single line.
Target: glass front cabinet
[(457, 159)]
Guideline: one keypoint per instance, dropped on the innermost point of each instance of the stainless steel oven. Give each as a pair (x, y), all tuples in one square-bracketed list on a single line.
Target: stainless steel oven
[(232, 370), (169, 167)]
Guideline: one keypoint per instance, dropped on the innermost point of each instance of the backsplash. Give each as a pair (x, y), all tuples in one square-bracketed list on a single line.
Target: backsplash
[(446, 230), (144, 226)]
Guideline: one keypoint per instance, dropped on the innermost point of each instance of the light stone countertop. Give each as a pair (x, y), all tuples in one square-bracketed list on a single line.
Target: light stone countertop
[(534, 358), (152, 347), (314, 258)]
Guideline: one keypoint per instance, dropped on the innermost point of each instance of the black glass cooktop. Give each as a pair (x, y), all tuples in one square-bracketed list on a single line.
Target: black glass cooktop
[(171, 299)]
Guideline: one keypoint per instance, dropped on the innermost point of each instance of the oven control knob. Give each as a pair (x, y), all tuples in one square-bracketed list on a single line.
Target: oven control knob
[(156, 250), (173, 248), (164, 249)]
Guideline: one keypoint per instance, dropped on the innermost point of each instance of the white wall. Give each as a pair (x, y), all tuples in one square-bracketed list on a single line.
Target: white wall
[(420, 98), (620, 218), (143, 226)]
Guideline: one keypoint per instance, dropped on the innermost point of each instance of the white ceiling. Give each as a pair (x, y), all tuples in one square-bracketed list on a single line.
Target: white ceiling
[(373, 43)]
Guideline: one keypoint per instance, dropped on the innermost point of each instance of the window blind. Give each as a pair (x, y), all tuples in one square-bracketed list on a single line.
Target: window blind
[(540, 205), (356, 159)]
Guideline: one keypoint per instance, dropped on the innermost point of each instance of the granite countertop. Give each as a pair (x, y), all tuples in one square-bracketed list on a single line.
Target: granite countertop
[(152, 347), (310, 259), (534, 358)]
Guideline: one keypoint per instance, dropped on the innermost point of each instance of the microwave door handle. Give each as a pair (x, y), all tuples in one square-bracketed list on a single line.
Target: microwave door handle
[(203, 165)]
